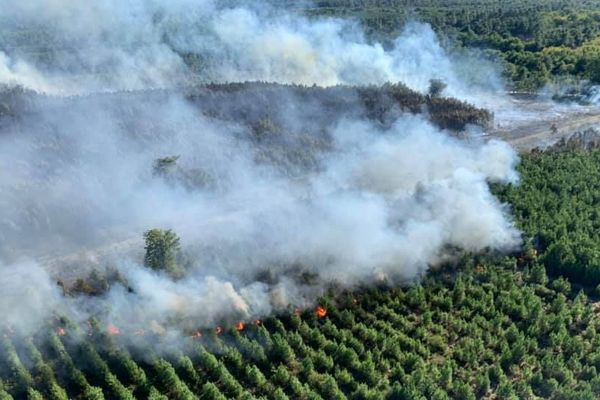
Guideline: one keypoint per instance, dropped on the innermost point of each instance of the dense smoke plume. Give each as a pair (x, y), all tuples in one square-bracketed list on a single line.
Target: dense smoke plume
[(73, 47), (76, 174)]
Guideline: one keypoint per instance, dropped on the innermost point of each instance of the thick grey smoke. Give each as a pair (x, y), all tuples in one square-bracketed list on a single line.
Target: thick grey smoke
[(76, 175)]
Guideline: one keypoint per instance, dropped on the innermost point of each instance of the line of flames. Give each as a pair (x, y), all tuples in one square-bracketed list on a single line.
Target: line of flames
[(319, 311)]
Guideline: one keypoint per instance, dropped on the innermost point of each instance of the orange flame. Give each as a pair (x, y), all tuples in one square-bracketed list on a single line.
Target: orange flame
[(61, 331), (196, 335), (321, 312), (139, 332), (257, 322), (240, 326), (218, 330), (113, 330)]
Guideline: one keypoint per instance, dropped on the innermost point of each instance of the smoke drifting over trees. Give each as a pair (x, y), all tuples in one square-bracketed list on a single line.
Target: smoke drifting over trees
[(69, 47), (380, 200)]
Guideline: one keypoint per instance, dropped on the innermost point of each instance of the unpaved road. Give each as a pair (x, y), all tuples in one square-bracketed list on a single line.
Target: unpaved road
[(526, 135)]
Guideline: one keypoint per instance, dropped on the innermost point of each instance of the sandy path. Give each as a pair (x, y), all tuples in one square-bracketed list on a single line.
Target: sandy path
[(538, 133)]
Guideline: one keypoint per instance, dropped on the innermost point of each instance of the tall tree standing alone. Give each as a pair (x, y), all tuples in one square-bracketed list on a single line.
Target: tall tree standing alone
[(436, 87), (162, 247)]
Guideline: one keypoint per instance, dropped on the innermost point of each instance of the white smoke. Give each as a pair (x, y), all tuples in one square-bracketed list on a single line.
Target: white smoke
[(29, 296), (385, 204), (111, 45), (76, 174)]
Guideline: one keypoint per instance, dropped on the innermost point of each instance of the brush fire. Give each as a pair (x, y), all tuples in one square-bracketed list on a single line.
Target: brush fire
[(196, 335), (113, 330), (320, 312)]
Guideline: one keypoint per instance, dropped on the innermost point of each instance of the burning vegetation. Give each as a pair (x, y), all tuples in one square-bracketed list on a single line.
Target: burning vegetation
[(93, 327), (240, 326), (196, 335), (320, 312), (113, 330), (278, 139)]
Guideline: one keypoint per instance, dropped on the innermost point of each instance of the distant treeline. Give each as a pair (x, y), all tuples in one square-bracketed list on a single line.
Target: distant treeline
[(289, 122), (286, 123), (240, 101), (248, 102), (539, 41)]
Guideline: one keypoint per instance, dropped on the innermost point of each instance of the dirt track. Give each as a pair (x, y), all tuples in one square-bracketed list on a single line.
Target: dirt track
[(528, 135)]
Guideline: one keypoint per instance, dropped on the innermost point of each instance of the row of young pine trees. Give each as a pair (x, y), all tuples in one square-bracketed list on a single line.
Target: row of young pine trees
[(497, 331), (493, 328)]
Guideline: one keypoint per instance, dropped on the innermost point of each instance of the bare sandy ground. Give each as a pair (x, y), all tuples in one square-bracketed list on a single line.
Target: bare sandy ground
[(531, 123), (541, 134)]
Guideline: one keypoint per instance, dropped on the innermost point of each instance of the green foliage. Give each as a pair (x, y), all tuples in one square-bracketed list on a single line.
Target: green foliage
[(162, 247), (18, 375), (524, 326), (5, 395), (33, 394), (156, 395), (556, 204), (538, 41), (169, 382), (509, 334), (211, 392), (46, 376), (97, 367)]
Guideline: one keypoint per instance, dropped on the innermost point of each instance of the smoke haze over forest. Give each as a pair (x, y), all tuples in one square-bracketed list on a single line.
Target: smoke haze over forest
[(67, 47), (383, 201)]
